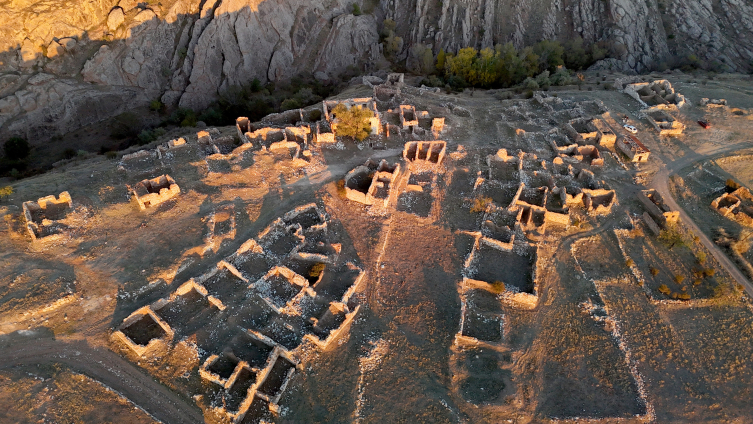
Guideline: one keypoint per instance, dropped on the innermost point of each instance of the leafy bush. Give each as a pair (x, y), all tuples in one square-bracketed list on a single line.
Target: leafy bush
[(679, 278), (653, 271), (629, 263), (6, 191), (354, 122), (356, 9), (530, 84), (709, 272), (111, 155), (156, 105), (289, 104), (16, 148), (701, 257), (480, 204), (664, 289)]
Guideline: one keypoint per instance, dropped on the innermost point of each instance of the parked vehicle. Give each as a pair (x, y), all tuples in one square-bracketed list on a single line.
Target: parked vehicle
[(630, 128), (704, 124)]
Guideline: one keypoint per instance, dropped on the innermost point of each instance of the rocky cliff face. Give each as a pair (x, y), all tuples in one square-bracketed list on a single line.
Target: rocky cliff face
[(67, 64), (645, 33)]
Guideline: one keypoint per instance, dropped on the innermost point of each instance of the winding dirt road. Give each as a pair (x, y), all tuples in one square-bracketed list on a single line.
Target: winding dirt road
[(660, 184), (104, 366)]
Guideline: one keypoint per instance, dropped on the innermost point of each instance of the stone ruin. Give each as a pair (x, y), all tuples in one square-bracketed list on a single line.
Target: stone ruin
[(220, 227), (143, 331), (408, 117), (599, 201), (373, 184), (710, 103), (46, 218), (289, 289), (659, 93), (390, 90), (582, 131), (664, 123), (633, 148), (422, 154), (657, 210), (737, 206), (607, 137), (324, 133), (148, 193)]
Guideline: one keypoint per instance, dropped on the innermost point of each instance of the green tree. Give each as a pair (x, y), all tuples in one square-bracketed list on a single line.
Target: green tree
[(508, 65), (441, 57), (529, 64), (575, 54), (17, 148), (354, 122), (671, 236), (550, 55)]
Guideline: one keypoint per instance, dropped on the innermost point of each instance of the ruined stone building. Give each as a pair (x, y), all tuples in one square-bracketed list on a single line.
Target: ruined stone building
[(45, 218), (633, 148), (149, 193)]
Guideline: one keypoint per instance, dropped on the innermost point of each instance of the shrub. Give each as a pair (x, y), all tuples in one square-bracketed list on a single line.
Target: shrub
[(156, 105), (6, 191), (664, 289), (701, 257), (708, 272), (671, 236), (480, 204), (111, 155), (316, 270), (679, 278), (653, 271), (696, 283), (212, 116), (629, 263), (530, 84), (16, 148), (354, 122), (732, 185), (356, 9), (498, 287), (289, 104), (684, 296)]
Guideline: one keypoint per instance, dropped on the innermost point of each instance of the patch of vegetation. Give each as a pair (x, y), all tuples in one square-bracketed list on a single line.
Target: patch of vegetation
[(5, 191), (480, 204), (354, 122)]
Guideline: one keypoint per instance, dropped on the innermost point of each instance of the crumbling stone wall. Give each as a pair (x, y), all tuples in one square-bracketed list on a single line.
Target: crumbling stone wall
[(44, 217), (148, 193), (633, 149)]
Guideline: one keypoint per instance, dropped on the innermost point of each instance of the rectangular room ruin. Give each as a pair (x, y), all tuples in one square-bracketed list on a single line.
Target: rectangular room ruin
[(45, 217), (633, 148), (425, 152), (149, 193)]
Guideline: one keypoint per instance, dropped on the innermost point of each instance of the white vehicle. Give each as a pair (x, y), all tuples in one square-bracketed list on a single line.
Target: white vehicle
[(630, 128)]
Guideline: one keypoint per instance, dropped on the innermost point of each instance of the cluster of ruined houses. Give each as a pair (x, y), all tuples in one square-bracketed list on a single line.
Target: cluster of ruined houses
[(527, 195), (295, 291), (737, 206)]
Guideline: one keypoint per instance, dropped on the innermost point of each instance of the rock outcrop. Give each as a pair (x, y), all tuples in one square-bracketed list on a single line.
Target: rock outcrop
[(62, 63)]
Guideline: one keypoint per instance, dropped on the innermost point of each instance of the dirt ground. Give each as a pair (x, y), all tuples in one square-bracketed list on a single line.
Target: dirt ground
[(599, 343)]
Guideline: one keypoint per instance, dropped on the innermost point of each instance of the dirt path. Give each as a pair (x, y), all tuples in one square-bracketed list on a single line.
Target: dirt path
[(107, 368), (659, 183)]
